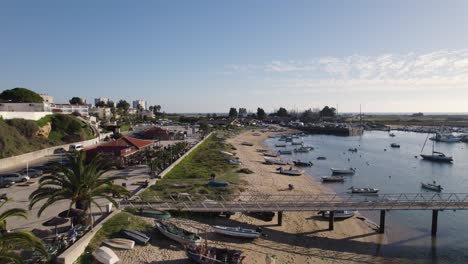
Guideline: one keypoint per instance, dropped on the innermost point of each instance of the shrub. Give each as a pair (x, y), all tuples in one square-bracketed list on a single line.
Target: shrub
[(26, 128)]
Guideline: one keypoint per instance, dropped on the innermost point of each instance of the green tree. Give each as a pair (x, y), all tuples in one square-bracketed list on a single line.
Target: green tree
[(27, 128), (123, 107), (20, 95), (282, 112), (77, 101), (328, 112), (233, 112), (309, 116), (110, 104), (101, 104), (261, 114), (81, 183), (12, 242), (156, 110)]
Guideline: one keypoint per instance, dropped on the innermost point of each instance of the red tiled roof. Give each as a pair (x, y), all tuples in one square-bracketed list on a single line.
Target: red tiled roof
[(139, 143)]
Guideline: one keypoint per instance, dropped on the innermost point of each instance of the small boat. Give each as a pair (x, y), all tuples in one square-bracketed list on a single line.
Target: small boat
[(289, 139), (154, 213), (285, 152), (269, 154), (275, 161), (448, 138), (178, 234), (364, 190), (236, 231), (395, 145), (218, 184), (121, 243), (303, 163), (352, 150), (289, 172), (437, 157), (431, 186), (302, 150), (247, 144), (105, 255), (208, 255), (332, 179), (233, 161), (297, 143), (226, 153), (339, 214), (321, 158), (138, 237), (280, 145), (391, 134), (343, 170)]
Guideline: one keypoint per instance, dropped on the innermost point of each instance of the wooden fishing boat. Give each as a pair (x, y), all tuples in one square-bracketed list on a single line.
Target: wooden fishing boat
[(275, 161), (154, 213), (339, 214), (321, 158), (395, 145), (285, 152), (332, 179), (105, 255), (269, 154), (236, 231), (303, 163), (247, 144), (280, 145), (209, 255), (289, 172), (226, 153), (302, 150), (343, 170), (233, 161), (138, 237), (178, 234), (364, 190), (121, 243), (431, 186)]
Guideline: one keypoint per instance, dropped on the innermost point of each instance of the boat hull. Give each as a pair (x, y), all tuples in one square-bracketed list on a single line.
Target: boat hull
[(121, 243), (138, 237), (178, 238), (105, 255), (437, 158), (236, 232), (342, 171)]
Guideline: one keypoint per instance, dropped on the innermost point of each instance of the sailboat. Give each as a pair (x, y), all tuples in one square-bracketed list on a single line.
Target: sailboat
[(435, 155)]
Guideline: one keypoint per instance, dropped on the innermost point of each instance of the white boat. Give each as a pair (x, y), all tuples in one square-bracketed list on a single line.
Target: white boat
[(364, 190), (431, 187), (120, 243), (340, 214), (226, 153), (343, 170), (236, 231), (233, 161), (105, 255), (290, 171), (275, 161), (178, 234), (333, 179)]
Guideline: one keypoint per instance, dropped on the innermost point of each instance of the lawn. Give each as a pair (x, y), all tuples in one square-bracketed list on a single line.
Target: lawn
[(111, 228), (195, 170)]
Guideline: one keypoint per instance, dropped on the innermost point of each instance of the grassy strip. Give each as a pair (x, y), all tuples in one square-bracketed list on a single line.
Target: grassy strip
[(111, 229), (194, 171)]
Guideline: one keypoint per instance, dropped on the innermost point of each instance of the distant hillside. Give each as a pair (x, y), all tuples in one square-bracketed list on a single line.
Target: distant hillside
[(18, 136)]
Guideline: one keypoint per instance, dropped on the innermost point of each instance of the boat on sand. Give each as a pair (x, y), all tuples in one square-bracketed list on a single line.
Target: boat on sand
[(289, 172), (339, 214), (105, 255), (209, 255), (178, 234), (138, 237), (236, 231), (275, 161), (121, 243)]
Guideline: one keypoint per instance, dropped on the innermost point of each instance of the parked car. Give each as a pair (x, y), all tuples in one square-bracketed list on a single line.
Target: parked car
[(6, 183), (60, 151), (33, 173), (15, 177)]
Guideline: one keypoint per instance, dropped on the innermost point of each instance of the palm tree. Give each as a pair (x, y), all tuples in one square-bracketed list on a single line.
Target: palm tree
[(80, 182), (10, 242)]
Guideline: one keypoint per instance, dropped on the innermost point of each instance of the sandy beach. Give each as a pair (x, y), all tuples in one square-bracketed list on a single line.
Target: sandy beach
[(303, 237)]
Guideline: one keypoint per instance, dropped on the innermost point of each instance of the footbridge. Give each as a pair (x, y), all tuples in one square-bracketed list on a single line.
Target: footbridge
[(308, 202)]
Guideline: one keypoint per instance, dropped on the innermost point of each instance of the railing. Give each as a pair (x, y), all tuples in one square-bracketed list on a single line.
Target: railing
[(306, 202)]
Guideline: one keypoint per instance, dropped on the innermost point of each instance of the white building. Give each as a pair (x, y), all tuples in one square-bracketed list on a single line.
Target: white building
[(103, 113), (47, 98), (101, 99), (147, 114), (141, 102), (29, 111), (68, 109)]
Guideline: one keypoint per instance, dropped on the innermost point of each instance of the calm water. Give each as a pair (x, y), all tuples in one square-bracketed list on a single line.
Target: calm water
[(395, 171)]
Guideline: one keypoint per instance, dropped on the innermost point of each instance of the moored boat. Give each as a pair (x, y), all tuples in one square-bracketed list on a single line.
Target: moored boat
[(209, 255), (321, 158), (121, 243), (280, 145), (339, 214), (431, 186), (303, 163), (138, 237), (364, 190), (105, 255), (236, 231), (178, 234), (275, 161), (302, 150), (333, 179), (395, 145), (437, 157), (289, 172), (154, 213), (343, 170), (285, 152), (297, 143)]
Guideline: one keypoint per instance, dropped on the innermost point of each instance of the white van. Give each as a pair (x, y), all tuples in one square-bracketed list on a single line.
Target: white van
[(15, 177), (76, 147)]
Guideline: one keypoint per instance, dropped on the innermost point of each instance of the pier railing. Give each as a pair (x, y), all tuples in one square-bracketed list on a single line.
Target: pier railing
[(305, 202)]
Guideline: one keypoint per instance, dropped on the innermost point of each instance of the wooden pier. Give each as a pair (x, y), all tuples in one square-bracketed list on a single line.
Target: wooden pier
[(312, 202)]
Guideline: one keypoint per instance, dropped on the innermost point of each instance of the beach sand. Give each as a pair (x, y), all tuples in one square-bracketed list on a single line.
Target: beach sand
[(303, 237)]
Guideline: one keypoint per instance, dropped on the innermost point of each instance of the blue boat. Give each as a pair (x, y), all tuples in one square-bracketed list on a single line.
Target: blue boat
[(218, 184)]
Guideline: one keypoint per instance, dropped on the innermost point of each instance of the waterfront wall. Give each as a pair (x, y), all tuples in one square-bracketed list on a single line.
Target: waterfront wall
[(23, 159), (24, 115)]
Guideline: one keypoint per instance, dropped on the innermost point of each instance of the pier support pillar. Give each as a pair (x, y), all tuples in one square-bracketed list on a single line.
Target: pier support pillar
[(435, 215), (280, 218), (331, 220), (382, 222)]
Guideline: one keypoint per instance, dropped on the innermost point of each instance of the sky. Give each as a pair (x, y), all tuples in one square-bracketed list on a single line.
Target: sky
[(207, 56)]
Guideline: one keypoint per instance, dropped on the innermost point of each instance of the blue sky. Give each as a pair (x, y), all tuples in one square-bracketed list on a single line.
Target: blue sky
[(206, 56)]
